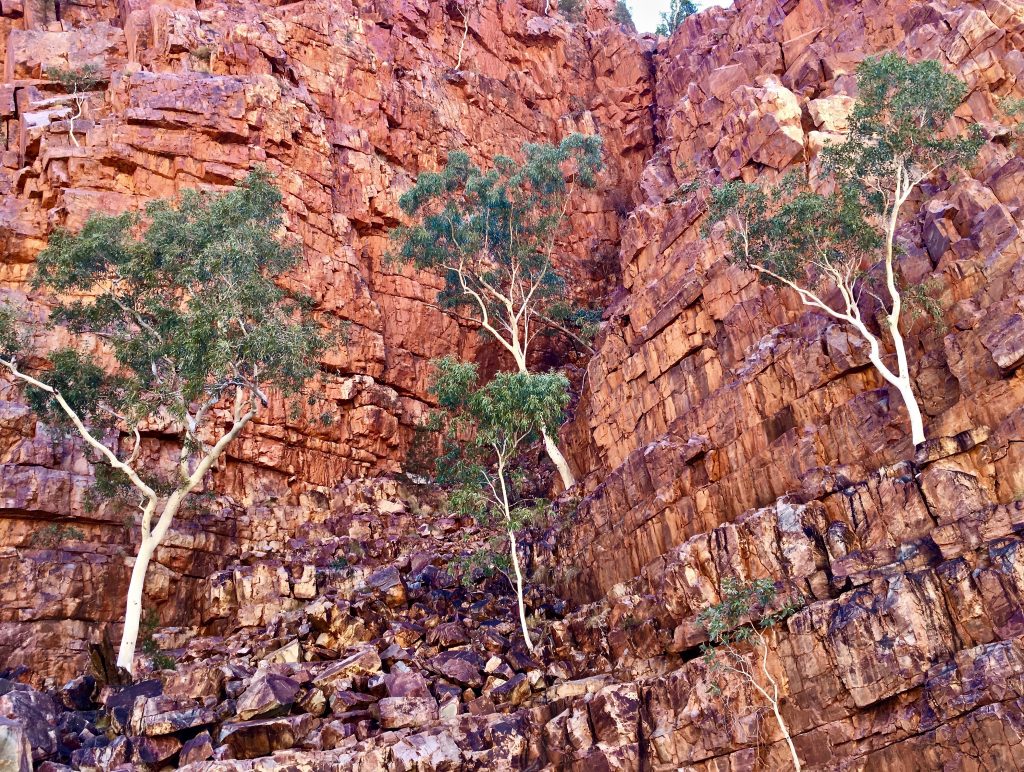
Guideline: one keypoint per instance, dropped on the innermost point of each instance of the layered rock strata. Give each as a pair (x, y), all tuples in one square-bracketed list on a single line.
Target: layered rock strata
[(725, 432), (344, 103)]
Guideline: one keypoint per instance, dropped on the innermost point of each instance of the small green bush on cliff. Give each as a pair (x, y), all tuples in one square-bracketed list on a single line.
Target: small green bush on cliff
[(739, 622)]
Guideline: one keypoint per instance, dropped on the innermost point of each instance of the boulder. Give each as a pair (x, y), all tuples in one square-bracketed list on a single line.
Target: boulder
[(268, 695), (252, 739)]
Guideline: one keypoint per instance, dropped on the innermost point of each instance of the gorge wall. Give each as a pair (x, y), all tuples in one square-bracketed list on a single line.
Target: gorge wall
[(344, 103), (723, 430)]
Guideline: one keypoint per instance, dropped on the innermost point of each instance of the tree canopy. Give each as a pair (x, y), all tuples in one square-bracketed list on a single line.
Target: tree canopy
[(492, 235), (484, 430), (677, 13), (184, 298), (192, 323)]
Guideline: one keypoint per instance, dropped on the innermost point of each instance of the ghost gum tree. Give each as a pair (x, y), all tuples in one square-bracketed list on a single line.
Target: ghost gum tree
[(185, 303), (492, 235), (742, 622), (485, 429), (838, 251)]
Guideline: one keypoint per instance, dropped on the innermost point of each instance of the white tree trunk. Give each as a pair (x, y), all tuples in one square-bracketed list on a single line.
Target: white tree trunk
[(913, 410), (133, 605), (514, 549), (559, 461), (786, 735), (550, 446), (900, 382)]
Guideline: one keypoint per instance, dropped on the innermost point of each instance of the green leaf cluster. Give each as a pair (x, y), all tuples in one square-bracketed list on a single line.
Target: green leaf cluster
[(573, 9), (494, 421), (898, 120), (185, 298), (729, 621), (53, 535), (677, 13), (10, 337), (491, 233), (793, 232), (75, 80), (623, 16), (484, 430), (816, 240)]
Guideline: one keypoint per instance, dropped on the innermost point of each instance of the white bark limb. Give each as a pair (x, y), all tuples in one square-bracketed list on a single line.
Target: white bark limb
[(133, 604), (564, 472), (514, 552), (152, 539), (514, 548)]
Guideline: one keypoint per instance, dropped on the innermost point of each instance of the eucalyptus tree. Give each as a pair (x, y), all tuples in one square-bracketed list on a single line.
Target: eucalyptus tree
[(492, 235), (678, 11), (741, 621), (193, 332), (77, 82), (485, 431), (825, 246)]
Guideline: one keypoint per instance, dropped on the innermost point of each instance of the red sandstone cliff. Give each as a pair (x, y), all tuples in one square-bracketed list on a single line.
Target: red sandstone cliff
[(723, 429), (344, 103)]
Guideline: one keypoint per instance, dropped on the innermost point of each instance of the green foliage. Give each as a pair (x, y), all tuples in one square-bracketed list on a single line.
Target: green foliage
[(792, 233), (677, 13), (921, 301), (85, 386), (186, 300), (896, 124), (573, 9), (163, 661), (484, 432), (585, 323), (491, 234), (148, 627), (75, 80), (484, 562), (490, 424), (203, 54), (10, 338), (734, 620), (728, 621), (622, 15), (1013, 109), (54, 535)]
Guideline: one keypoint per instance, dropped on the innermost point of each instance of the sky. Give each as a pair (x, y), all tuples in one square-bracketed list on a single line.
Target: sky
[(647, 13)]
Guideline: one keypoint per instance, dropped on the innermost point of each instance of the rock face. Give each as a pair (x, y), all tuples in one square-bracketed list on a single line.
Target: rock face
[(344, 103), (723, 431), (710, 394)]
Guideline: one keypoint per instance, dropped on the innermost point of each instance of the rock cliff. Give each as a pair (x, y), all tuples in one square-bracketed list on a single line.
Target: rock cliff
[(723, 429), (344, 103)]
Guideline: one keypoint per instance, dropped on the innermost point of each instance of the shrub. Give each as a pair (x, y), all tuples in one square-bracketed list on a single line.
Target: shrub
[(733, 624)]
